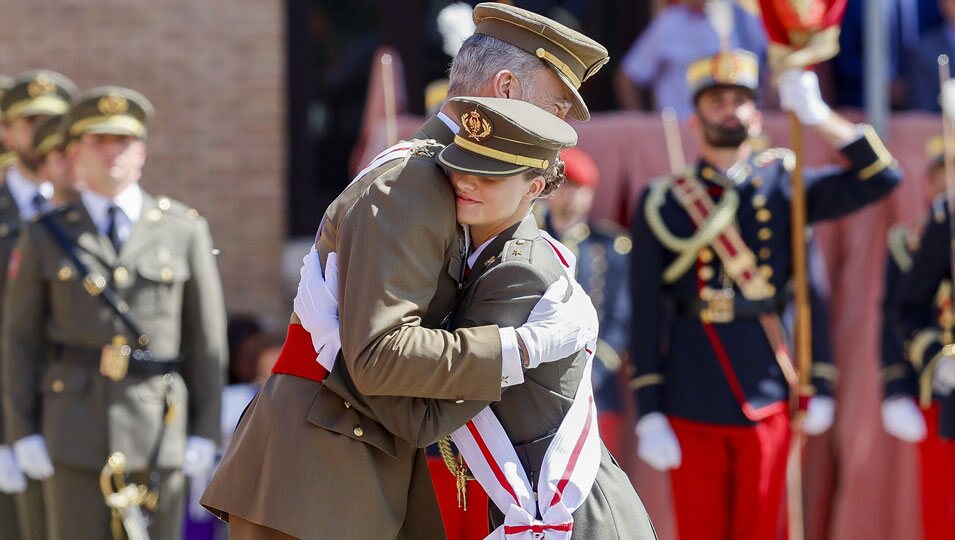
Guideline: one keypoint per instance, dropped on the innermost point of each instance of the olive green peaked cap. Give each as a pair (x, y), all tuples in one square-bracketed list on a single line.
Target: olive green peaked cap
[(504, 137), (574, 56), (40, 92), (47, 135), (109, 110)]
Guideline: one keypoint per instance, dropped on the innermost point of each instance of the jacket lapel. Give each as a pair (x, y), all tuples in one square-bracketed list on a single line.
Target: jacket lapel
[(143, 230), (88, 237)]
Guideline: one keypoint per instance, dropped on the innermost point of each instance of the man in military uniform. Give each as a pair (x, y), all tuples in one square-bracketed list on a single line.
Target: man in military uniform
[(399, 213), (113, 334), (918, 316), (603, 268), (710, 266), (34, 97), (12, 479)]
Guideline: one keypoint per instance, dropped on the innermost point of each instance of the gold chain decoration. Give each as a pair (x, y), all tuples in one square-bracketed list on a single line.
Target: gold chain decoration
[(722, 217), (459, 469)]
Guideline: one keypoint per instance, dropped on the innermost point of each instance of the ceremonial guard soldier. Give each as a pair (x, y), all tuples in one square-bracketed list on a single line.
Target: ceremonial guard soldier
[(602, 249), (918, 372), (113, 338), (711, 263), (34, 97)]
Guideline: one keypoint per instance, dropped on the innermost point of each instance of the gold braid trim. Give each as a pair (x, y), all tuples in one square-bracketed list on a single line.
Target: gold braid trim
[(687, 248), (919, 344), (459, 470), (825, 371), (898, 247), (608, 356), (894, 373)]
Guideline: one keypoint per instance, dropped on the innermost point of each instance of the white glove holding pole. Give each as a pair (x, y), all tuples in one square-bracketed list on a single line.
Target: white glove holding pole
[(557, 329), (316, 304), (799, 93), (902, 419), (12, 479), (819, 415), (657, 444), (33, 457)]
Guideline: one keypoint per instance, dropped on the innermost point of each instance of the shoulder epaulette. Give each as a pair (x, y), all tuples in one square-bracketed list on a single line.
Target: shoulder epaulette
[(517, 249), (768, 156), (172, 207), (426, 148)]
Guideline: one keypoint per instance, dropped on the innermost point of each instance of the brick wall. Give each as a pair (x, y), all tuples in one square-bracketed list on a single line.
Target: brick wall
[(215, 70)]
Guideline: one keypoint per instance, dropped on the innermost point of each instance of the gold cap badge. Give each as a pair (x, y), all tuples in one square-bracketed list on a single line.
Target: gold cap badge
[(724, 68), (43, 85), (112, 104), (475, 125)]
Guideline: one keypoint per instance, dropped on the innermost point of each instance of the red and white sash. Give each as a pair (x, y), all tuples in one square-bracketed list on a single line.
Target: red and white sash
[(570, 463)]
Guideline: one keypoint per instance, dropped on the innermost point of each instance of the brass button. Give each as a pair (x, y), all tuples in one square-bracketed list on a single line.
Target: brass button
[(58, 386), (706, 273), (120, 275), (707, 173), (622, 245), (154, 215), (358, 431), (164, 203), (757, 181), (763, 215), (706, 255), (166, 274), (764, 253), (64, 273), (765, 234), (766, 270), (520, 242), (759, 200)]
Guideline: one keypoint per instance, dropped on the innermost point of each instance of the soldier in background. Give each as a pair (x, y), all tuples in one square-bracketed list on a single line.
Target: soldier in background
[(911, 409), (49, 146), (711, 261), (603, 269), (113, 334), (34, 97)]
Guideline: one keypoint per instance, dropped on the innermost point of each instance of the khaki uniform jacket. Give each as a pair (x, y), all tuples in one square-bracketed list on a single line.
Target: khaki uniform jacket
[(505, 283), (53, 333), (324, 447), (10, 223)]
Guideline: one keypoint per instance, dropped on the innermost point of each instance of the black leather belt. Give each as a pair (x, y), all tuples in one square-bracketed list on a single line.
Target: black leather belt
[(742, 307), (531, 456), (141, 361)]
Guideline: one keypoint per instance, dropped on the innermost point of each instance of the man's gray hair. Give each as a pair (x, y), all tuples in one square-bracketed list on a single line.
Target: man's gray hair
[(481, 57)]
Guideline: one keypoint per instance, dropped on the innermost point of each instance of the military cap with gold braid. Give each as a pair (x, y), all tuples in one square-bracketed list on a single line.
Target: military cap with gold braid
[(574, 56), (738, 68), (40, 92), (47, 135), (109, 110), (503, 137), (5, 84)]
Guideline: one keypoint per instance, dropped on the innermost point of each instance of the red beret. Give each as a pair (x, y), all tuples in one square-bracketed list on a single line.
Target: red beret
[(579, 167)]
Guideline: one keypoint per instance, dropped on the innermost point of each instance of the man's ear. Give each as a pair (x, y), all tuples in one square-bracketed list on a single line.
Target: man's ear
[(506, 85)]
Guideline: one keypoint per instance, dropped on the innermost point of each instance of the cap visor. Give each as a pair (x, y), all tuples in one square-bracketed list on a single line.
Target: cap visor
[(456, 158), (578, 108)]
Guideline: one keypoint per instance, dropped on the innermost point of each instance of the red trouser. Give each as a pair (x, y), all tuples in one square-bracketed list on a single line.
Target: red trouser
[(731, 482), (458, 523), (937, 460)]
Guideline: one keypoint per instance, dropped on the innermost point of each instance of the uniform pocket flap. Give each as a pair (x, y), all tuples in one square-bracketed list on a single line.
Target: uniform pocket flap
[(60, 378), (164, 269), (329, 411)]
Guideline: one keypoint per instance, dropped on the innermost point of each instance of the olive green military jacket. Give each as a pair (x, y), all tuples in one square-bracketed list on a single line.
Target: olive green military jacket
[(54, 331), (9, 230)]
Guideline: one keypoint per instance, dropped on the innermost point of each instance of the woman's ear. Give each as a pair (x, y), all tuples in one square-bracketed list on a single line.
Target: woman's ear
[(535, 187)]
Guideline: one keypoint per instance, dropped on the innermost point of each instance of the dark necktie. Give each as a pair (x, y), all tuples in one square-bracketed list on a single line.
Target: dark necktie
[(39, 203), (112, 228)]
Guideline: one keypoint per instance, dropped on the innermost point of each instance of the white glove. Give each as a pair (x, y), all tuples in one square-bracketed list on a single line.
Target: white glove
[(316, 304), (819, 415), (557, 329), (200, 456), (33, 457), (799, 93), (902, 419), (657, 444), (197, 486), (11, 477), (944, 377)]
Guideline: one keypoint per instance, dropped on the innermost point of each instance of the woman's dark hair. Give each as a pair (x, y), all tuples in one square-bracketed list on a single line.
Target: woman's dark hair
[(553, 177)]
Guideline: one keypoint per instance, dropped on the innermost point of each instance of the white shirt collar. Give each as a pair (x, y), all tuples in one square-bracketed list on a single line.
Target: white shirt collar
[(23, 191), (129, 201), (448, 122)]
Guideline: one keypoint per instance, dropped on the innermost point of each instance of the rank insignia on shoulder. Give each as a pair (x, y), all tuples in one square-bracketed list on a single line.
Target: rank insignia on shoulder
[(427, 148)]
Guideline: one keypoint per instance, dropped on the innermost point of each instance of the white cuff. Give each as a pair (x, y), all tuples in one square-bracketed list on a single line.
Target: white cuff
[(512, 368)]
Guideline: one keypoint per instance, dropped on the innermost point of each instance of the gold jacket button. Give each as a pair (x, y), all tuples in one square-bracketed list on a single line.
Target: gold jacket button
[(120, 275), (166, 274), (57, 386), (358, 431)]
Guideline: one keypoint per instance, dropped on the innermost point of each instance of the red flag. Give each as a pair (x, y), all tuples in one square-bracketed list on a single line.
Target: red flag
[(802, 32)]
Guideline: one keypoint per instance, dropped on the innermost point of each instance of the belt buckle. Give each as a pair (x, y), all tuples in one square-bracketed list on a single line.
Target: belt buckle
[(114, 360), (719, 306)]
